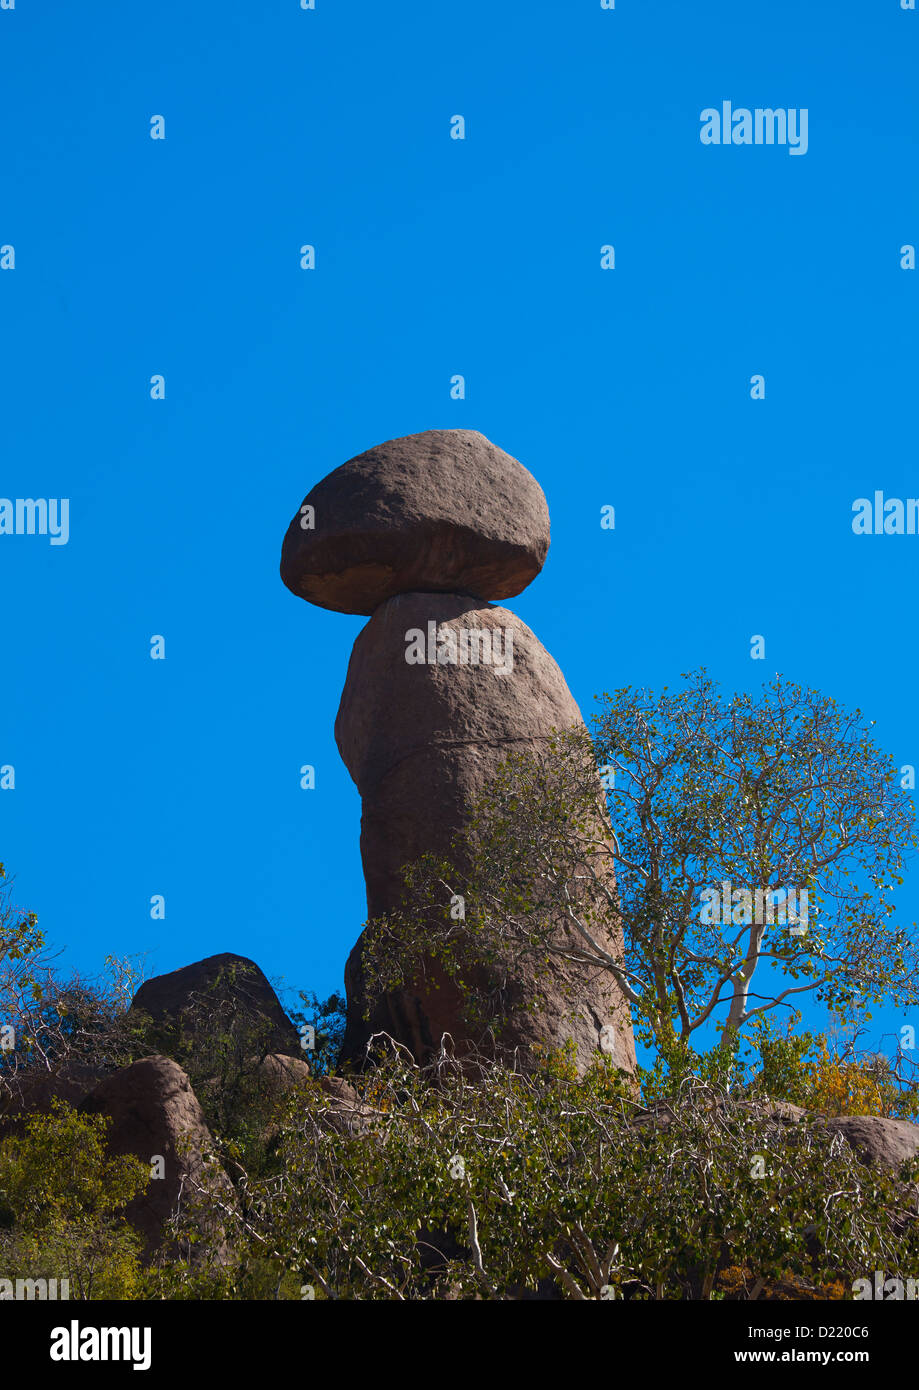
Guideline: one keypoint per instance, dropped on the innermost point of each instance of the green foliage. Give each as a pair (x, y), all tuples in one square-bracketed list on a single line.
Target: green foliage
[(677, 1064), (328, 1017), (830, 1078), (19, 934), (63, 1198), (782, 793), (62, 1024), (805, 1069), (490, 1185)]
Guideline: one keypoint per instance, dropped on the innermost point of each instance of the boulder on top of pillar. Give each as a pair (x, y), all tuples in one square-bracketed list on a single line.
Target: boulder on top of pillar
[(444, 511)]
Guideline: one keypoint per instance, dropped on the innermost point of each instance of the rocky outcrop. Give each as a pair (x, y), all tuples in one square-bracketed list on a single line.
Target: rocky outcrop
[(32, 1092), (155, 1115), (422, 532), (341, 1108), (422, 740), (879, 1143), (279, 1073), (184, 999), (445, 511)]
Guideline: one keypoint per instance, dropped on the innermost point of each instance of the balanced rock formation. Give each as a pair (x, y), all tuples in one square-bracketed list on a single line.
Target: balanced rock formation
[(155, 1115), (422, 532), (182, 1000), (444, 511)]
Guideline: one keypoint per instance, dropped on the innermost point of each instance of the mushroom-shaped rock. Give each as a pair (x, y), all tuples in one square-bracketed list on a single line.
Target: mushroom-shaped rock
[(444, 511)]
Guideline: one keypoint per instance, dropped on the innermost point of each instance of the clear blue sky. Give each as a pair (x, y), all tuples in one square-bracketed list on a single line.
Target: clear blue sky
[(434, 257)]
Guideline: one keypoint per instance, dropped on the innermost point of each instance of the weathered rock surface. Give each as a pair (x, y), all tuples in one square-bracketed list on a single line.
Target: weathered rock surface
[(183, 997), (154, 1111), (343, 1108), (443, 511), (421, 532), (784, 1111), (878, 1142), (346, 1112), (422, 741), (32, 1092), (280, 1073)]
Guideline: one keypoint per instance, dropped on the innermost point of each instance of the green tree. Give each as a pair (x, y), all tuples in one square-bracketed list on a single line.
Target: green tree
[(19, 934), (785, 799), (63, 1200), (61, 1024), (328, 1018)]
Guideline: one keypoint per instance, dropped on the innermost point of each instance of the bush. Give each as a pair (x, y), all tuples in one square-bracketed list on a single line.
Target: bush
[(502, 1185), (62, 1201), (829, 1079)]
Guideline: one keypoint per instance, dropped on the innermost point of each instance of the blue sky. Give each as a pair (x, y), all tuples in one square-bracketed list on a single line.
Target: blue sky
[(180, 257)]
